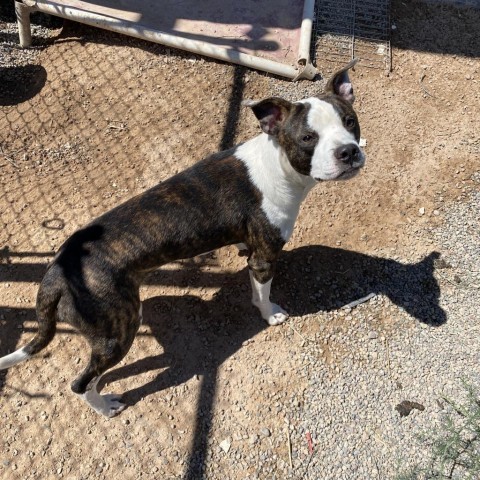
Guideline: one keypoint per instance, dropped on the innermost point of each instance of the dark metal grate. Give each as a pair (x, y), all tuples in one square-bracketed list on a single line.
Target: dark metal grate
[(345, 29)]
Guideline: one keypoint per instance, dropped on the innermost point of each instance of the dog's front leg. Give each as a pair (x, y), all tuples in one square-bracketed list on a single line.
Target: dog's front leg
[(261, 275)]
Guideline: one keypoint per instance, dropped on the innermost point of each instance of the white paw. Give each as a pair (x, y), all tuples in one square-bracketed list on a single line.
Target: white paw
[(110, 405), (271, 312), (278, 315)]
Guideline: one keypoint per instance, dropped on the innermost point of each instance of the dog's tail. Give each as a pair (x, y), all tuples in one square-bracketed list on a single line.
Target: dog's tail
[(48, 296)]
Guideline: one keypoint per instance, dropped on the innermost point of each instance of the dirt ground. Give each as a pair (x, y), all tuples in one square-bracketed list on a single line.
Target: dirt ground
[(105, 117)]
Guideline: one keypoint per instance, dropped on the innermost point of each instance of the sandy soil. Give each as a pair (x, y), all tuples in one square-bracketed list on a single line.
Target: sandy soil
[(111, 117)]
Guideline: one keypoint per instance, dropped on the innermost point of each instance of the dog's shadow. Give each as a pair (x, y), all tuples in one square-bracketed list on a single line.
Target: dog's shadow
[(197, 336)]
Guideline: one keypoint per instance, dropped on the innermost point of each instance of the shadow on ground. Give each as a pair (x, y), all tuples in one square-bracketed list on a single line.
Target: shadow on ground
[(309, 280), (18, 84), (197, 336), (435, 27)]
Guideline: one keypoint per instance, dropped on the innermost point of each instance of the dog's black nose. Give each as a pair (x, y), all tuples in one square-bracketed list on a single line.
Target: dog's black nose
[(347, 153)]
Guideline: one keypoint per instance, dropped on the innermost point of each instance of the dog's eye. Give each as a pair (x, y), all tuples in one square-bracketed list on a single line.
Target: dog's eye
[(349, 122), (307, 138)]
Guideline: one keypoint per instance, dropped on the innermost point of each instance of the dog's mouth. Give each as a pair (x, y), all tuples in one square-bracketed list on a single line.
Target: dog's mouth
[(345, 175), (351, 172)]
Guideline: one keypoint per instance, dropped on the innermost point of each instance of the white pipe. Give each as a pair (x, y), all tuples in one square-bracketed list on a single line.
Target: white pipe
[(306, 32), (307, 70), (22, 12), (195, 46)]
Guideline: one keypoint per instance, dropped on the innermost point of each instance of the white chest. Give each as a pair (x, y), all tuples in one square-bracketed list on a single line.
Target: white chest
[(283, 188)]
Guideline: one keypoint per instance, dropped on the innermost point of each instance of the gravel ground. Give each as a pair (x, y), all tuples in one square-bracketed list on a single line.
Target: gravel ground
[(391, 361), (354, 365), (396, 360), (12, 55), (414, 362)]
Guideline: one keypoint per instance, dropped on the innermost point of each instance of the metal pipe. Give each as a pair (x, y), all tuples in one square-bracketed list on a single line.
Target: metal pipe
[(22, 12), (306, 32), (303, 61), (194, 46)]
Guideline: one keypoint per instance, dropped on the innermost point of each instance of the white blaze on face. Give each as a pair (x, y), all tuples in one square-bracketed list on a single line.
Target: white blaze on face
[(327, 123)]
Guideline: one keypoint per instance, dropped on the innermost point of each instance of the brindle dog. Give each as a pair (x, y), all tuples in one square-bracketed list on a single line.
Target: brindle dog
[(249, 195)]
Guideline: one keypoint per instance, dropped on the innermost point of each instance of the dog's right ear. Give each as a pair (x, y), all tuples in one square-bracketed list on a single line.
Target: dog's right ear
[(271, 113)]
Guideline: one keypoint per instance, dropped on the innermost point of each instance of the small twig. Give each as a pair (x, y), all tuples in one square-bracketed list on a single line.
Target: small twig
[(359, 301), (12, 153), (9, 159), (297, 332), (448, 133), (308, 464), (289, 446), (423, 88), (116, 127), (447, 279), (387, 346), (457, 409), (456, 461), (378, 467), (310, 443)]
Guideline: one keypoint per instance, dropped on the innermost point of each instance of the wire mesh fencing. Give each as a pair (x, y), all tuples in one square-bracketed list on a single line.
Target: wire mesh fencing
[(346, 29)]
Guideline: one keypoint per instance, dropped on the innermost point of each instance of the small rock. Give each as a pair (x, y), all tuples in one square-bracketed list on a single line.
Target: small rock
[(441, 263), (404, 408), (265, 432), (421, 211), (225, 445), (372, 335)]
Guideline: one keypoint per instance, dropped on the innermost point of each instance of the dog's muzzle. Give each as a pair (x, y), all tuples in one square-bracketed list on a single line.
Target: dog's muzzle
[(351, 157), (347, 161)]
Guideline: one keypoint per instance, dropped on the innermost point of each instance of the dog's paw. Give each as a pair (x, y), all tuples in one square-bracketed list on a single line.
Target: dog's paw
[(278, 315), (112, 405)]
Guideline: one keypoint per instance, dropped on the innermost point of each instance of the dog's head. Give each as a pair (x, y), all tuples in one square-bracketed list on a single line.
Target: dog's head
[(319, 135)]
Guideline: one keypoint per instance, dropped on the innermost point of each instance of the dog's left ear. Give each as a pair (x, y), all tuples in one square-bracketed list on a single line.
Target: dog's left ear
[(339, 84), (271, 113)]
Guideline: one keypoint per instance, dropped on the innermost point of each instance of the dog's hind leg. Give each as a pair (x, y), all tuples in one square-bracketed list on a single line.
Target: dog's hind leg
[(107, 404), (106, 353)]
